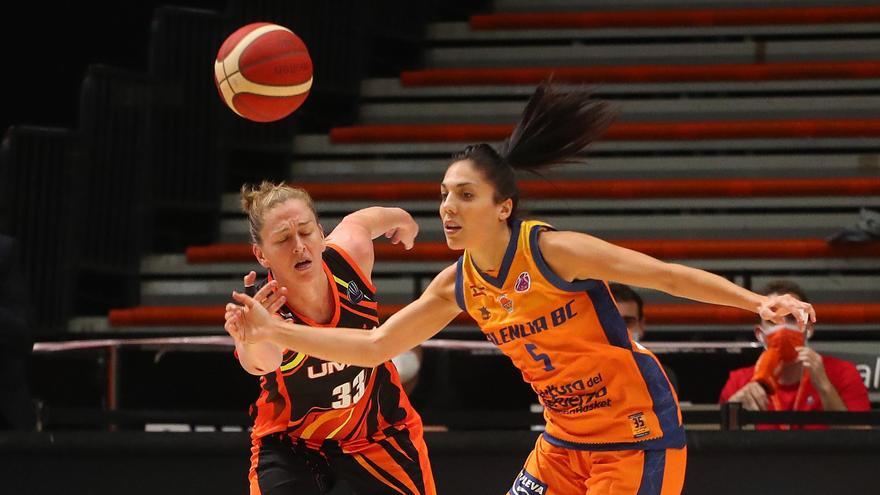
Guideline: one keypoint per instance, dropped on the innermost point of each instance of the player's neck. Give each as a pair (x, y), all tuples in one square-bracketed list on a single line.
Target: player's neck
[(312, 299), (489, 255)]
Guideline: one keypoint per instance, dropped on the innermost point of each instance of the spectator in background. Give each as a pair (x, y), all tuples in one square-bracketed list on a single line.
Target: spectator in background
[(790, 376), (631, 308), (16, 408)]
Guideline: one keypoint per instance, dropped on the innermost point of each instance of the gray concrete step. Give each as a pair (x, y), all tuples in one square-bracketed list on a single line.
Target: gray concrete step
[(461, 32), (401, 290), (673, 226), (315, 145), (632, 110), (604, 5), (794, 164), (579, 55), (391, 89)]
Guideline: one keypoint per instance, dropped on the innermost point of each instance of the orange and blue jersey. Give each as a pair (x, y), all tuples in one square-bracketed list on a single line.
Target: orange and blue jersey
[(599, 389)]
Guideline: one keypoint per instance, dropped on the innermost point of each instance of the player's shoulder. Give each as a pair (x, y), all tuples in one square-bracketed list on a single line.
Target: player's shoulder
[(448, 275), (443, 284)]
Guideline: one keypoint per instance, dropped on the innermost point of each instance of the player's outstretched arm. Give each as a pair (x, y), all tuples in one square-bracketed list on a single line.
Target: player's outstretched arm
[(577, 256), (355, 233), (412, 325)]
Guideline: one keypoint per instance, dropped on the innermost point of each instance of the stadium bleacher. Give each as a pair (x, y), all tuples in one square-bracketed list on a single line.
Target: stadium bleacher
[(747, 136)]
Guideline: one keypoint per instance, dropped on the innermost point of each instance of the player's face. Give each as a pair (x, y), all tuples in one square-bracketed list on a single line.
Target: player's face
[(292, 242), (467, 208), (629, 310)]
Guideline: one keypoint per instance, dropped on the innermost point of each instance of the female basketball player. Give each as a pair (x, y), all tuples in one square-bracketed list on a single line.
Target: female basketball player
[(318, 421), (613, 422)]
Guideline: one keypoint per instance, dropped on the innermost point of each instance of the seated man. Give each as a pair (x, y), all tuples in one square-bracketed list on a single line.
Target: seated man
[(631, 308), (789, 376)]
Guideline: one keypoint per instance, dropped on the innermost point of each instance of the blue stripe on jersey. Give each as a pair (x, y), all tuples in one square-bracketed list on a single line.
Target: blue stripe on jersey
[(652, 472), (548, 273), (459, 283), (508, 257), (609, 317), (665, 406)]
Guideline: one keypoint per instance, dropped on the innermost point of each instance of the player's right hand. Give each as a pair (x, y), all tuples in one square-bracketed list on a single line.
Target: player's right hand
[(250, 321)]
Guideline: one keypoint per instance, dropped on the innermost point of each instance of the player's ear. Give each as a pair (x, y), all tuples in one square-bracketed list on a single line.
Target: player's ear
[(505, 209), (258, 254)]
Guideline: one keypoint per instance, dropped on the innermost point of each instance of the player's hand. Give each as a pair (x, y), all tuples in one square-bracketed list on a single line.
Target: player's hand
[(752, 396), (776, 307), (270, 296), (812, 361), (404, 233), (249, 322)]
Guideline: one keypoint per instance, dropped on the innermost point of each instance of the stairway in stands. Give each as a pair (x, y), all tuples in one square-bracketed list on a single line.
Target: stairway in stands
[(746, 137)]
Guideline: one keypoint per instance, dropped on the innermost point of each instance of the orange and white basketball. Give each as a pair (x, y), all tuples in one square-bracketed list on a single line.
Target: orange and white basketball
[(263, 72)]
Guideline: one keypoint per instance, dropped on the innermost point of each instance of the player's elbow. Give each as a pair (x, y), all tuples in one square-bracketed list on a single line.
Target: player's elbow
[(671, 277), (379, 349), (263, 366)]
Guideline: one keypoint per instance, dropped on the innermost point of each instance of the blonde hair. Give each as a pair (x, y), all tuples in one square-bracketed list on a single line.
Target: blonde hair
[(256, 201)]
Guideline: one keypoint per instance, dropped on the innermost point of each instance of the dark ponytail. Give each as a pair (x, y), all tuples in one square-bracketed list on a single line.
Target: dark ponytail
[(552, 130)]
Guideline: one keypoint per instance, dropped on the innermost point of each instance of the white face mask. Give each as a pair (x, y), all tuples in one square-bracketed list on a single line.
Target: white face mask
[(407, 365)]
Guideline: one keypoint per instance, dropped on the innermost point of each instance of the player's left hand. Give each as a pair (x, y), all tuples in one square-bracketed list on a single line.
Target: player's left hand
[(405, 234), (776, 307)]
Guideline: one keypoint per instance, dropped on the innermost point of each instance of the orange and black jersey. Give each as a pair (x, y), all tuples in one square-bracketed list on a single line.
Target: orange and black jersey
[(316, 400)]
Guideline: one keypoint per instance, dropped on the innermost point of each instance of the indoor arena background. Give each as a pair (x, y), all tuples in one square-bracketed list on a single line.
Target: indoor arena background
[(748, 144)]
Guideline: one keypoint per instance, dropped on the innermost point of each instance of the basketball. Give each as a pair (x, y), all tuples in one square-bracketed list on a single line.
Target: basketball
[(263, 72)]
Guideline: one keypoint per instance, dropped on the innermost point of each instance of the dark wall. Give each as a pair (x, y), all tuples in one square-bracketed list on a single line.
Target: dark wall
[(463, 463), (46, 51)]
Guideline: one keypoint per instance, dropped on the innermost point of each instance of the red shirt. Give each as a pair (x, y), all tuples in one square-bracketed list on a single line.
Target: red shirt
[(843, 376)]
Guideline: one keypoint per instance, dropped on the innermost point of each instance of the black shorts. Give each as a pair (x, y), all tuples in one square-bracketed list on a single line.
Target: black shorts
[(281, 465)]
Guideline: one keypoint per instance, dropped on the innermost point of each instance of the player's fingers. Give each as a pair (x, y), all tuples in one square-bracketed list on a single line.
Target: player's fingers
[(265, 291), (250, 279), (408, 242), (244, 299), (276, 304)]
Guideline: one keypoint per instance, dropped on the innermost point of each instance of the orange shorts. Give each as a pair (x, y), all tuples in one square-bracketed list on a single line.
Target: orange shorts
[(552, 470)]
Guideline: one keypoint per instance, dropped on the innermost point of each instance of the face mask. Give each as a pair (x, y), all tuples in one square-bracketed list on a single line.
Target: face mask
[(781, 342)]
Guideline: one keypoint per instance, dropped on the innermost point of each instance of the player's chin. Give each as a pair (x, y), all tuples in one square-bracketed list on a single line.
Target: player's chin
[(454, 243)]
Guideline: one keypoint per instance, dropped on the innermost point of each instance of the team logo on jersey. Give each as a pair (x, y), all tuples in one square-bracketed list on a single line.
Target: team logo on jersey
[(506, 302), (484, 312), (526, 484), (523, 282), (355, 294), (477, 291)]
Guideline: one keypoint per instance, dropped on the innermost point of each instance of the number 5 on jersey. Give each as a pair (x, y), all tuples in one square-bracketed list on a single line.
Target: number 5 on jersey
[(548, 366)]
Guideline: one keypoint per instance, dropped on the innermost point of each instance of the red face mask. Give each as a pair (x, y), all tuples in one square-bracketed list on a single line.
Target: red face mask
[(781, 342)]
